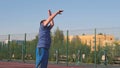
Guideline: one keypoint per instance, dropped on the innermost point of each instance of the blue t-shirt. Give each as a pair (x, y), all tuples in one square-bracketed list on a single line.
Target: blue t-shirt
[(44, 38)]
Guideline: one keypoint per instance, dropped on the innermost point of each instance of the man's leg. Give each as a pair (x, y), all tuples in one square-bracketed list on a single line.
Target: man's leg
[(44, 62), (39, 56)]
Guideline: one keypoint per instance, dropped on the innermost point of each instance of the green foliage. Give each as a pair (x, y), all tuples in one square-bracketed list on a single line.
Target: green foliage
[(58, 43), (16, 50)]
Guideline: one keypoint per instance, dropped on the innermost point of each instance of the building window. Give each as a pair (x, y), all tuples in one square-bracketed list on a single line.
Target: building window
[(110, 38)]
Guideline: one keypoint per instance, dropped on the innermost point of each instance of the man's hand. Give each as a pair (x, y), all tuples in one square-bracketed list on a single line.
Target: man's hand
[(60, 11), (49, 12)]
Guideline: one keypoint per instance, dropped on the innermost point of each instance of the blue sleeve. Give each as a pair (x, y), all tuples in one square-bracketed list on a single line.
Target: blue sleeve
[(42, 26)]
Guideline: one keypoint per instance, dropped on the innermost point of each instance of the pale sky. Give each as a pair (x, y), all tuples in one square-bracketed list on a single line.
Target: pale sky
[(23, 16)]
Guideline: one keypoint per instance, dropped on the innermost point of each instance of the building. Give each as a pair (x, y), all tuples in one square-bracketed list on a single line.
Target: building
[(89, 40)]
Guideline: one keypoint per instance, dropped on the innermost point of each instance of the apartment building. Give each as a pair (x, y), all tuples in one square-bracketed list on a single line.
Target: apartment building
[(89, 40)]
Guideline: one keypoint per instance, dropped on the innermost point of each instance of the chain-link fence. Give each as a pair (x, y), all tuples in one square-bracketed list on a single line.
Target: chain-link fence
[(18, 46), (100, 45)]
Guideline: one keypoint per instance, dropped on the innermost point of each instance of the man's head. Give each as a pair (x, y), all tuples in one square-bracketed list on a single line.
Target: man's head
[(42, 21)]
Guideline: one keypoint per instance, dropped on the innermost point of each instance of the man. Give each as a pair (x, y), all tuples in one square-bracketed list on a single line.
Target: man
[(44, 40)]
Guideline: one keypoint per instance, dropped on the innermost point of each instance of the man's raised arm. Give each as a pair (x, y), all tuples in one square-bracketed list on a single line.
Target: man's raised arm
[(50, 18), (52, 21)]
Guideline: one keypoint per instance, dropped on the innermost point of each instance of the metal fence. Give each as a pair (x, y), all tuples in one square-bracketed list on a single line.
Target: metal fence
[(18, 46), (100, 45)]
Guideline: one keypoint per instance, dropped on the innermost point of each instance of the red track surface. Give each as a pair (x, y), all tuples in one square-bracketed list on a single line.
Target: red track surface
[(25, 65)]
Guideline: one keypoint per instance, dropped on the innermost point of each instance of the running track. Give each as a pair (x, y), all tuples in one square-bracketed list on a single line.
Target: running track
[(25, 65)]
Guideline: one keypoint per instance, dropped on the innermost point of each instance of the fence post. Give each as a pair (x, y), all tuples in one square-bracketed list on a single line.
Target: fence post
[(23, 53), (78, 56), (9, 54), (56, 55), (106, 59), (67, 48), (0, 50), (81, 60), (24, 49), (95, 49), (25, 45)]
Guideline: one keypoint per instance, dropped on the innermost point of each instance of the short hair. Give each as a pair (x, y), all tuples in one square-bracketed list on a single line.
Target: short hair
[(42, 21)]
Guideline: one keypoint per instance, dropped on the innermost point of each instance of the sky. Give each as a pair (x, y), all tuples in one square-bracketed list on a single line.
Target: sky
[(23, 16)]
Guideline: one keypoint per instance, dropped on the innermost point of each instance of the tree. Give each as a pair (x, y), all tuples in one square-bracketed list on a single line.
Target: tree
[(57, 42)]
